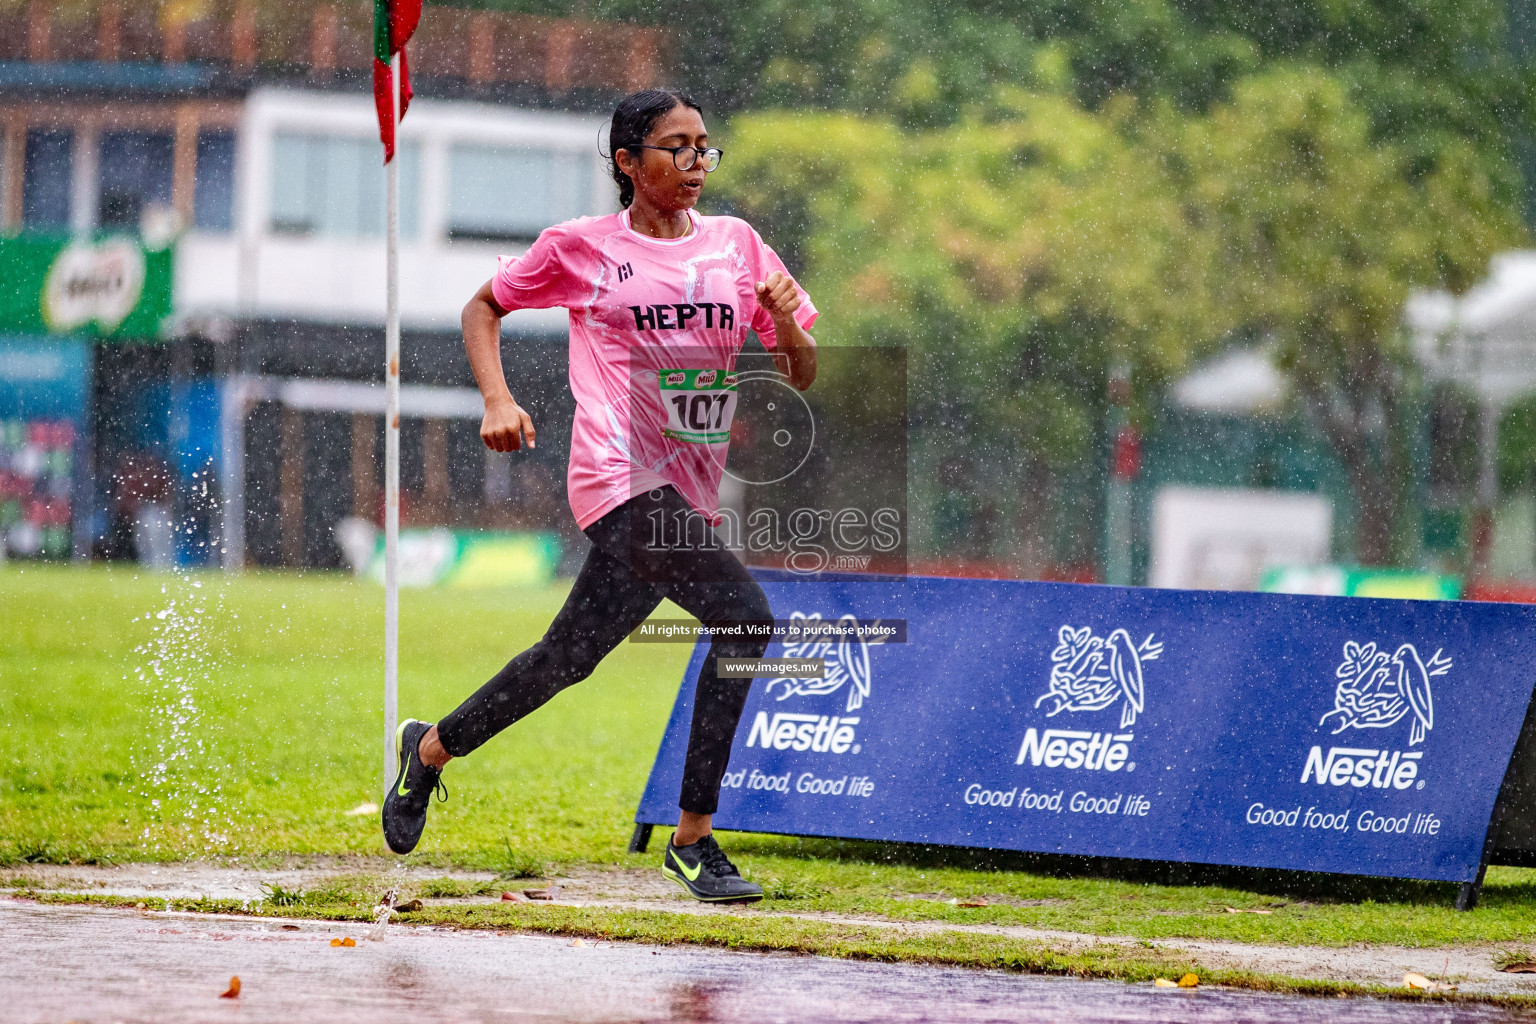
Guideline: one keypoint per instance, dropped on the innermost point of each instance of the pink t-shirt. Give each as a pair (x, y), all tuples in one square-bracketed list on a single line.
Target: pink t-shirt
[(640, 306)]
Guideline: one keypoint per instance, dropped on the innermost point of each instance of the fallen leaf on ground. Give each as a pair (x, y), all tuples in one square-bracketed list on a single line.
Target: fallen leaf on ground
[(1189, 981), (974, 901), (233, 992), (1164, 983), (539, 894), (577, 942), (513, 897), (290, 927), (409, 907), (366, 807), (1513, 961), (348, 941), (1234, 910), (1418, 981)]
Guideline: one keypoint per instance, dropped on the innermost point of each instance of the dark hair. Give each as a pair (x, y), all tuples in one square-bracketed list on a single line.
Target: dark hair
[(633, 120)]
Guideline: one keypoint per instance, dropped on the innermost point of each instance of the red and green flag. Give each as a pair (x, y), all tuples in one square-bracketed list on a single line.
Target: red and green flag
[(393, 23)]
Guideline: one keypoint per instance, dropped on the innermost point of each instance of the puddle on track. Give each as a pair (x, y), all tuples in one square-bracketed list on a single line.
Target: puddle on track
[(83, 964)]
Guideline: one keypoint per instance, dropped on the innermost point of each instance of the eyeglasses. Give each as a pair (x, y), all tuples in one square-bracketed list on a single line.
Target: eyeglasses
[(685, 157)]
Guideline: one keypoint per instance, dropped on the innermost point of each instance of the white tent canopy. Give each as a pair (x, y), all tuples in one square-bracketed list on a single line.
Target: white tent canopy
[(1486, 338), (1239, 382)]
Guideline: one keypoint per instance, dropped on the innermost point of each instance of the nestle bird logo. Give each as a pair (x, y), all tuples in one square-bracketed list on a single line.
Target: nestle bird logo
[(1377, 689), (1089, 673), (846, 658)]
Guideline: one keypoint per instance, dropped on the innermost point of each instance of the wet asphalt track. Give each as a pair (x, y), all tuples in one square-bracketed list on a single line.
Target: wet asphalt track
[(90, 965)]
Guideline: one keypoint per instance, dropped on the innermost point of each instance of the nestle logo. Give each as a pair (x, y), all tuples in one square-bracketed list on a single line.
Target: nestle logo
[(788, 731), (1072, 748), (1361, 767)]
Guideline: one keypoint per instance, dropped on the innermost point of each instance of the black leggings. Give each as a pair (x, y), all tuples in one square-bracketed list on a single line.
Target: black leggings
[(622, 582)]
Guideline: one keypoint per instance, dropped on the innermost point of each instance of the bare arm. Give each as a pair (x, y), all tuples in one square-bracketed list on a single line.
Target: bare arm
[(506, 424), (799, 351), (796, 351)]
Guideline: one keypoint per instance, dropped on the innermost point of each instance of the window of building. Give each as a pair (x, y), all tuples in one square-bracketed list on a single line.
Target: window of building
[(135, 172), (511, 193), (46, 179), (213, 197), (334, 186)]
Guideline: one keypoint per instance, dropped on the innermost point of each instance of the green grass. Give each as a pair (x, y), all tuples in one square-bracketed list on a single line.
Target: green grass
[(288, 731), (273, 733)]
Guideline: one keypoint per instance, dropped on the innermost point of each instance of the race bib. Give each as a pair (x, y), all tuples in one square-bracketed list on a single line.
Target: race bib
[(699, 404)]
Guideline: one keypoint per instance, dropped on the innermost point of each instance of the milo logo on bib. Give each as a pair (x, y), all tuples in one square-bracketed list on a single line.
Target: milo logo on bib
[(699, 404)]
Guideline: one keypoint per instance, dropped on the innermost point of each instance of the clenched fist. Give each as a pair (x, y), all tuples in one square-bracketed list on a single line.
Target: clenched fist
[(504, 427), (778, 296)]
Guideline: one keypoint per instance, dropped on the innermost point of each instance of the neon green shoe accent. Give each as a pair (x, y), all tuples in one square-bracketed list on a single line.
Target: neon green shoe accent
[(692, 876), (401, 789), (674, 876)]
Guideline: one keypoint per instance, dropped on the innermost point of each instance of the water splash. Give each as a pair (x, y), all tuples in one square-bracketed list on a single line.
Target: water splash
[(177, 771), (382, 914)]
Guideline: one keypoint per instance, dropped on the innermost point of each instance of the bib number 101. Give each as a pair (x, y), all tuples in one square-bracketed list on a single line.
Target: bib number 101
[(699, 403)]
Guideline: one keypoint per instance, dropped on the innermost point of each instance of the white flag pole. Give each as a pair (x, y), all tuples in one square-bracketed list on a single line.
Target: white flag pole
[(392, 432)]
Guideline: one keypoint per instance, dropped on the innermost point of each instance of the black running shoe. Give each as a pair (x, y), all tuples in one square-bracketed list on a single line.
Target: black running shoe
[(405, 805), (704, 870)]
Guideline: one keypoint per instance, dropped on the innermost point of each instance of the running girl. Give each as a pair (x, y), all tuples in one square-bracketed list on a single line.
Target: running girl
[(655, 293)]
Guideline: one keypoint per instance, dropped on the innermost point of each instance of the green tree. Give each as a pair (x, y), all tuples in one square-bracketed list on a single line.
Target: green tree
[(1014, 255), (1021, 250), (1318, 233), (1420, 69)]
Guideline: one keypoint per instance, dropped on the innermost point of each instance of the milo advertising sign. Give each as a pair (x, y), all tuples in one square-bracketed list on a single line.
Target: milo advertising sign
[(111, 287)]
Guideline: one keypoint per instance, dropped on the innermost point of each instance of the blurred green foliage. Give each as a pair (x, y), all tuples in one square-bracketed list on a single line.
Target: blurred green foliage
[(1020, 251), (1321, 228), (1517, 444), (1023, 194), (1420, 68), (1009, 253)]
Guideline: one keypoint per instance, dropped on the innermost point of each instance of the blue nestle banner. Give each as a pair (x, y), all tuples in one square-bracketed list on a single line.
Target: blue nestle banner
[(1318, 734)]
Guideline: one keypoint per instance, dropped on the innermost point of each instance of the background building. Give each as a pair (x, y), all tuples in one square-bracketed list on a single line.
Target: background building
[(242, 158)]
